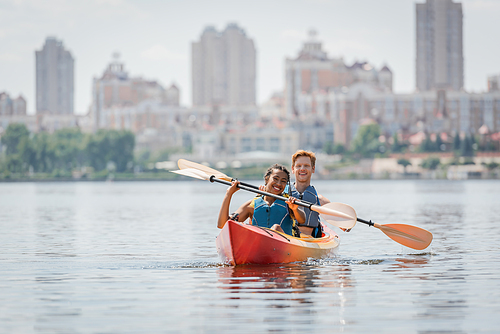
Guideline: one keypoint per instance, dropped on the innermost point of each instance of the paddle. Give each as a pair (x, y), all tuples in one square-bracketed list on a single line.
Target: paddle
[(407, 235), (337, 214)]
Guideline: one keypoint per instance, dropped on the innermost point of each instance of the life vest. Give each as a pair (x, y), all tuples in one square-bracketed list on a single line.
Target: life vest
[(312, 217), (266, 216)]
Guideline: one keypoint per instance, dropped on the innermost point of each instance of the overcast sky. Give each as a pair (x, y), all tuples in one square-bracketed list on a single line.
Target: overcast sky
[(154, 38)]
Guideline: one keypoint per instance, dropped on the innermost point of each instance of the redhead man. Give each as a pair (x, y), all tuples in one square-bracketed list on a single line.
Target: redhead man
[(303, 167)]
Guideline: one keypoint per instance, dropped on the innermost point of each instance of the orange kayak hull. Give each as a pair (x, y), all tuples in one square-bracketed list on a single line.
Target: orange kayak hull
[(240, 243)]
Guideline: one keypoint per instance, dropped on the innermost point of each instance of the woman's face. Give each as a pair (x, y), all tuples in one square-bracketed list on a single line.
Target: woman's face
[(276, 182)]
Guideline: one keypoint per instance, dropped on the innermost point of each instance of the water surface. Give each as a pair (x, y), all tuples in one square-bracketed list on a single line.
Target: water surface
[(140, 257)]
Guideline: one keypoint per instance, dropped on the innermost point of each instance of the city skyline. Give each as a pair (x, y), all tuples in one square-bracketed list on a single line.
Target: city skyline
[(154, 39)]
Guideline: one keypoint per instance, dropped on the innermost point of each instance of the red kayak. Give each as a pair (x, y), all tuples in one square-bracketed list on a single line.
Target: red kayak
[(240, 243)]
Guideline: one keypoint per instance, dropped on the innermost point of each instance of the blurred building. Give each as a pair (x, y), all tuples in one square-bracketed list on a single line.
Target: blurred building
[(439, 45), (116, 90), (312, 75), (9, 106), (274, 106), (172, 96), (54, 78), (224, 68), (494, 83), (433, 111), (14, 111)]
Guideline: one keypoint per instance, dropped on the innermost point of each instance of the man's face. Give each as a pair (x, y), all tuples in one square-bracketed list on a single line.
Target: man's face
[(303, 169)]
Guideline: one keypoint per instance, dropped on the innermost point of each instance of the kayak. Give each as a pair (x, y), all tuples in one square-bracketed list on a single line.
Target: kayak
[(240, 243)]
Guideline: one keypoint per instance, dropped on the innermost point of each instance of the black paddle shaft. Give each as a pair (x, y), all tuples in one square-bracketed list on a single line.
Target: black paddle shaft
[(361, 220), (255, 189)]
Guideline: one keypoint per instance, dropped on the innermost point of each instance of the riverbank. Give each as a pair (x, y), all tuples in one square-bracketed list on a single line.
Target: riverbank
[(368, 169)]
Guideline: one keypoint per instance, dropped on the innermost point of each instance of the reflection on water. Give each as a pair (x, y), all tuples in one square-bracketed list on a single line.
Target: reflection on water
[(290, 278), (302, 288)]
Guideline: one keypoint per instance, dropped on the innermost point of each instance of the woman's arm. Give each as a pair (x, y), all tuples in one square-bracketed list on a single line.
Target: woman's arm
[(224, 208), (243, 211)]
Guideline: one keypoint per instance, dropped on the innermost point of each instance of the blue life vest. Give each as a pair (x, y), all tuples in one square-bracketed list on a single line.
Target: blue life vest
[(266, 216), (309, 195)]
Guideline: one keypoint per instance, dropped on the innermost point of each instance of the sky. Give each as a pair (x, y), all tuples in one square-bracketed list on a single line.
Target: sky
[(153, 38)]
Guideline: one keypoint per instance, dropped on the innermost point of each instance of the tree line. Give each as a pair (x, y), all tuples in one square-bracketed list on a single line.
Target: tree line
[(65, 150)]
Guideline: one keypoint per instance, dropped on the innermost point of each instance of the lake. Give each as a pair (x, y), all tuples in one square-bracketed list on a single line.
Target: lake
[(140, 257)]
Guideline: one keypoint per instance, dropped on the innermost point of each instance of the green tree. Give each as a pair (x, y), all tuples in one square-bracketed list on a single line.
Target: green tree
[(492, 165), (45, 155), (404, 162), (430, 163), (438, 143), (396, 146), (122, 149), (456, 142), (14, 134), (366, 142), (466, 149), (427, 145), (110, 146), (68, 148), (331, 148), (18, 149), (338, 149), (328, 147), (97, 149)]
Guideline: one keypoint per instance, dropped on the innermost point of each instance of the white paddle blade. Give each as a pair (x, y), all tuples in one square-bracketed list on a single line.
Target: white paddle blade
[(186, 164), (338, 214), (191, 172)]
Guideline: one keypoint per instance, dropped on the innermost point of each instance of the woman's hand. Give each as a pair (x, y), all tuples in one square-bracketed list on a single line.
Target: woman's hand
[(299, 214), (291, 203), (233, 188)]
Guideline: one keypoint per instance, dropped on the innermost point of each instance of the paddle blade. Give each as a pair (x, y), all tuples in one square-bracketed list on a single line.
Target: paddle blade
[(186, 164), (337, 214), (191, 172), (407, 235)]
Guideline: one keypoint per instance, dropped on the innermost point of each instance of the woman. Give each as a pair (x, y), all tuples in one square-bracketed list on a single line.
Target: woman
[(266, 211)]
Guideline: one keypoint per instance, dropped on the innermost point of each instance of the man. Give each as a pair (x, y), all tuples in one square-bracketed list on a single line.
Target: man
[(303, 167)]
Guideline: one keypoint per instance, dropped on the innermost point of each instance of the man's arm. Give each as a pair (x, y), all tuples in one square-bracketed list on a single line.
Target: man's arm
[(323, 200)]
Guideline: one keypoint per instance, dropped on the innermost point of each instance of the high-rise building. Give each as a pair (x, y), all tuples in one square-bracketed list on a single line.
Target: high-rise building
[(223, 68), (440, 61), (54, 78)]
